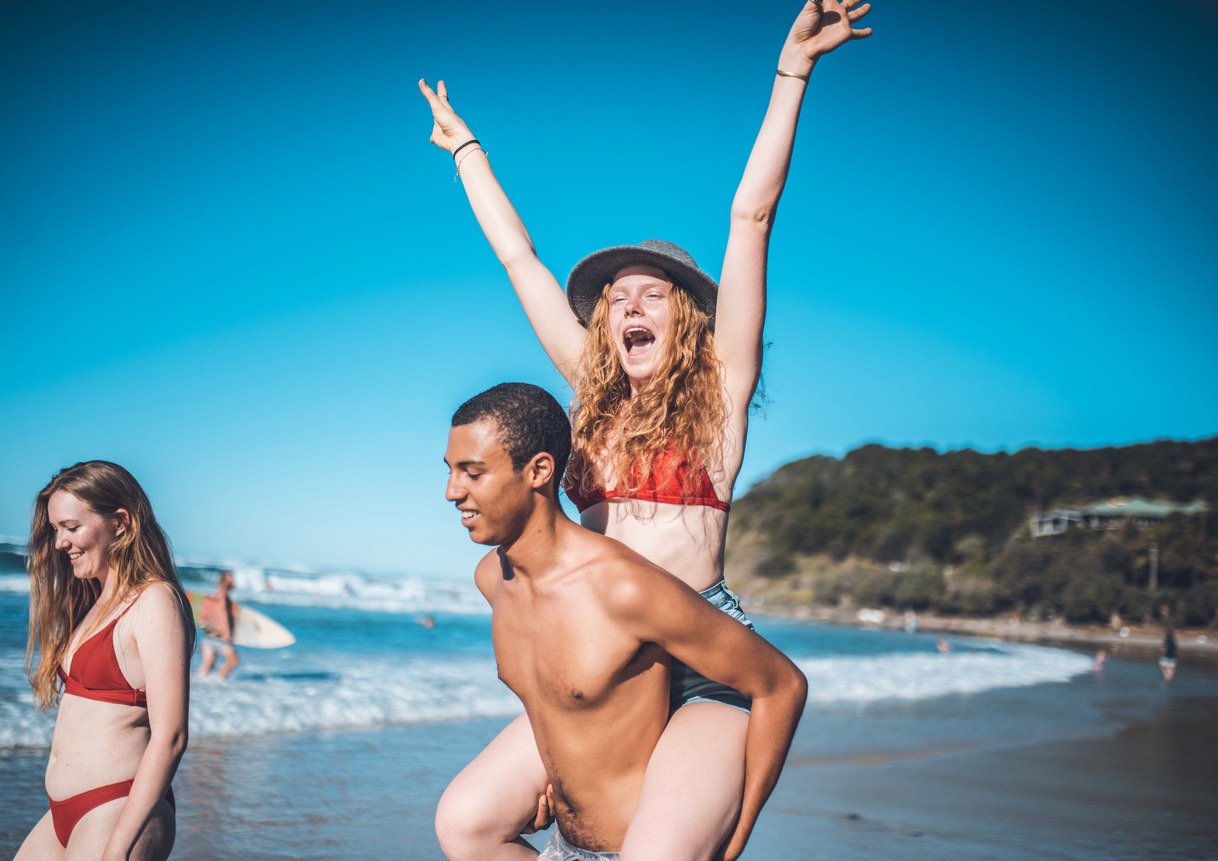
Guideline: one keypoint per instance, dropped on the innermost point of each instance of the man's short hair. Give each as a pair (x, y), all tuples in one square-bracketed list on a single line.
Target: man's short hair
[(530, 421)]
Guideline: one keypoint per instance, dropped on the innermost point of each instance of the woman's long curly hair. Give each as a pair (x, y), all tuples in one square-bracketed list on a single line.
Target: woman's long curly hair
[(58, 600), (683, 406)]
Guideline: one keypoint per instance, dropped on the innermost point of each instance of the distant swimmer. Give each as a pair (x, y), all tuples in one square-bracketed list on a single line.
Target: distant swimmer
[(216, 622), (109, 641), (427, 621), (1167, 660), (944, 646), (584, 633)]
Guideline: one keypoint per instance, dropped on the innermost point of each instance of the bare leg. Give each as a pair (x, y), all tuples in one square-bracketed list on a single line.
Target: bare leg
[(209, 658), (41, 844), (692, 791), (230, 662), (494, 798)]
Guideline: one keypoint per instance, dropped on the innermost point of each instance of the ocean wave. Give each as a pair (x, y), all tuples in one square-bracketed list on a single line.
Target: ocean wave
[(356, 592), (967, 669), (286, 692), (338, 590), (16, 583), (292, 697)]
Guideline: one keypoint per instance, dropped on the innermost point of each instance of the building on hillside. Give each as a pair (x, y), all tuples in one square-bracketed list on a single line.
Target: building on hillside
[(1111, 514), (1055, 522)]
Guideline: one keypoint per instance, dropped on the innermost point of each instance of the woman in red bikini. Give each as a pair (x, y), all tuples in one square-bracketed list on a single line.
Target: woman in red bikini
[(110, 640), (664, 365)]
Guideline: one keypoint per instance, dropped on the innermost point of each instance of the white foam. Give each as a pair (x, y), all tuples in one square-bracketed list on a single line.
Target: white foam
[(285, 691), (18, 583), (925, 675), (414, 690)]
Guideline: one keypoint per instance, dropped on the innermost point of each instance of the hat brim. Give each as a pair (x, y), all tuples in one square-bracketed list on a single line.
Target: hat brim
[(591, 274)]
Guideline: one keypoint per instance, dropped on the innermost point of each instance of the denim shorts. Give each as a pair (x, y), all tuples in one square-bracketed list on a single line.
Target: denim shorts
[(560, 849), (688, 686)]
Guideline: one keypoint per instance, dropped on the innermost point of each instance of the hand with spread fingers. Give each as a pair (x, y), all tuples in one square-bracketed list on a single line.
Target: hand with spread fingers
[(822, 26), (448, 131)]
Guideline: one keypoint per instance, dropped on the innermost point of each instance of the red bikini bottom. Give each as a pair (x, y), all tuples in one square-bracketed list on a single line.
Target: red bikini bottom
[(65, 814)]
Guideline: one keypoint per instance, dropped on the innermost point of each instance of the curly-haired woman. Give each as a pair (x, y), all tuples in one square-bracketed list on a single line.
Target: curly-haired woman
[(664, 364), (110, 641)]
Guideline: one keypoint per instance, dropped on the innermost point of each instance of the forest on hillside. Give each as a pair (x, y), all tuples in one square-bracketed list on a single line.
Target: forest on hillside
[(949, 532)]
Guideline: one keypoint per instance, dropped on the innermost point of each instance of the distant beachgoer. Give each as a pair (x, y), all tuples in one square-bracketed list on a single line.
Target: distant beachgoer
[(110, 622), (1167, 661), (584, 629), (943, 646), (664, 363), (216, 621), (427, 621), (1101, 657)]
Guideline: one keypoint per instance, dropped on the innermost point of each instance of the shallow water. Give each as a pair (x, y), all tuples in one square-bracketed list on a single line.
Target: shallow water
[(339, 747)]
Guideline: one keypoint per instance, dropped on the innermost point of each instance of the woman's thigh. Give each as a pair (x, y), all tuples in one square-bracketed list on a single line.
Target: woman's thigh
[(693, 787), (494, 798), (41, 844)]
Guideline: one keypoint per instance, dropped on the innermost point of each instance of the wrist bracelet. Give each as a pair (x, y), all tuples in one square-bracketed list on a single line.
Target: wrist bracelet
[(467, 155), (787, 74), (464, 145)]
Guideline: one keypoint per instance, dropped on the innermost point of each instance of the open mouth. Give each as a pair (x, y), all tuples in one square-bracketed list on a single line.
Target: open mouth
[(637, 340)]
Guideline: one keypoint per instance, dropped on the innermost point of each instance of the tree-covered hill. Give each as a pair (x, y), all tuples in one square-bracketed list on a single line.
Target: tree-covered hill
[(949, 532)]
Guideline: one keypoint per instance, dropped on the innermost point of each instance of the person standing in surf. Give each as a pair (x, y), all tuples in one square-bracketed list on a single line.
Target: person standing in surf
[(109, 641), (664, 363), (216, 620)]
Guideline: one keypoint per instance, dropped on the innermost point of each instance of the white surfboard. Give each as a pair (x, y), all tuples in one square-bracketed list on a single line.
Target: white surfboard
[(251, 629)]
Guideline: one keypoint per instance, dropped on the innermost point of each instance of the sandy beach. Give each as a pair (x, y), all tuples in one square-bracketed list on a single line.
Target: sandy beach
[(1116, 765)]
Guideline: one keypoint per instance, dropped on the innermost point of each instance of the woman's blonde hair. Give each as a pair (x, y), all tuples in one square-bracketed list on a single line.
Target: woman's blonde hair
[(58, 600), (683, 406)]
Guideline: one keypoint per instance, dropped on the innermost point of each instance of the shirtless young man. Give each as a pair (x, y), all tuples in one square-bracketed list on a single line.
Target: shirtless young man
[(584, 629)]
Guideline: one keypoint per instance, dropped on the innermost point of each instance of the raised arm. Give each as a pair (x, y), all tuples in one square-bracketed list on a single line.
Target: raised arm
[(164, 653), (659, 608), (820, 27), (542, 297)]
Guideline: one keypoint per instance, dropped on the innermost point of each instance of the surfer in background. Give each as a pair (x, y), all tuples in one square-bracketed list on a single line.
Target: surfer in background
[(664, 365), (109, 641), (216, 620)]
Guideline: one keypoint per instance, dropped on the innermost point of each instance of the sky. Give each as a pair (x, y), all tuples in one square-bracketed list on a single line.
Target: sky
[(231, 261)]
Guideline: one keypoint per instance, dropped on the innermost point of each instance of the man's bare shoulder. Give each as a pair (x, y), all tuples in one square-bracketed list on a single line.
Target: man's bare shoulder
[(487, 573)]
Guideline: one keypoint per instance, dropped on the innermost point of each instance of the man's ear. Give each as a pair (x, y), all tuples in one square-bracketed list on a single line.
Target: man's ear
[(540, 469)]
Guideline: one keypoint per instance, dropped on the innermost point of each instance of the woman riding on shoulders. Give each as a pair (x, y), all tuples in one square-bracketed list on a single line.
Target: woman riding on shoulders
[(664, 363)]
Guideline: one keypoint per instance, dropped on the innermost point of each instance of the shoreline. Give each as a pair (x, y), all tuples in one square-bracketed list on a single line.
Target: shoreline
[(1117, 764), (1142, 641)]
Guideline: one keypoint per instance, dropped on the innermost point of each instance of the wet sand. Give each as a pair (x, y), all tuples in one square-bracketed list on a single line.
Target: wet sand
[(1150, 791)]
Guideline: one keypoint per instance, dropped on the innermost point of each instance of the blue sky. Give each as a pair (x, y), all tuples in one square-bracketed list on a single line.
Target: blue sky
[(231, 261)]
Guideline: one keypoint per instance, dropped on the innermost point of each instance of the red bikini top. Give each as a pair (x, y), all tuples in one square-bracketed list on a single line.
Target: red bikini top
[(666, 483), (95, 674)]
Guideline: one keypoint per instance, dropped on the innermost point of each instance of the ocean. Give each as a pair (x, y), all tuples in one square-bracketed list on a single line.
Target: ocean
[(365, 659), (374, 707)]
